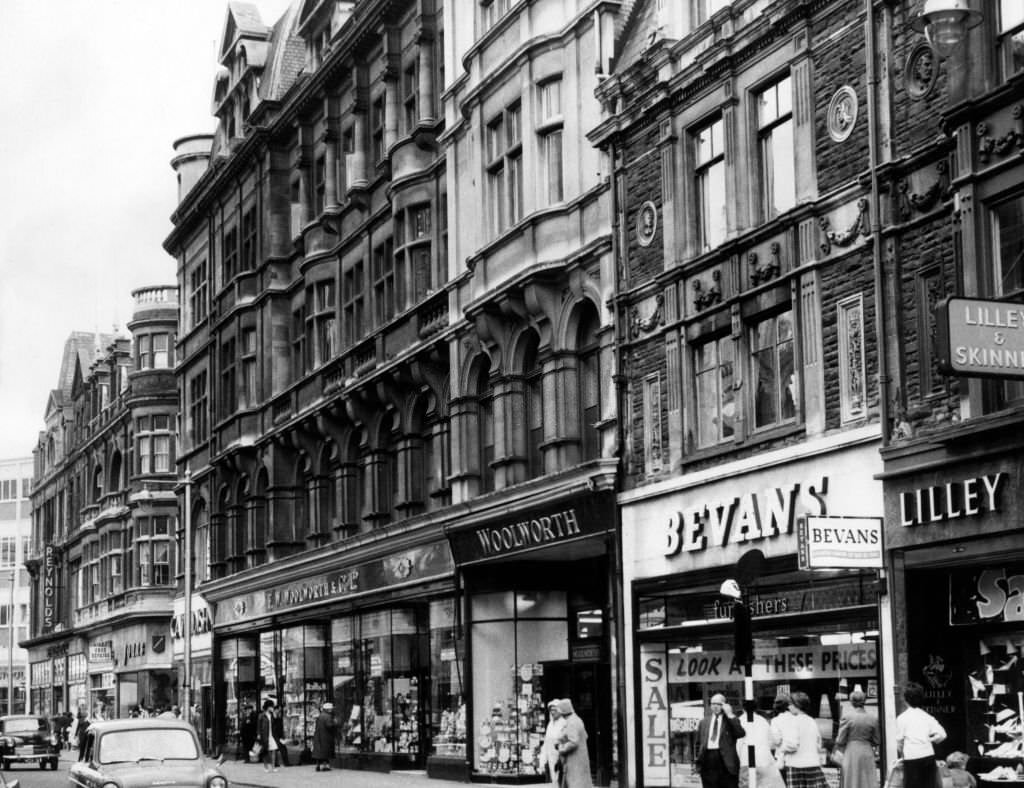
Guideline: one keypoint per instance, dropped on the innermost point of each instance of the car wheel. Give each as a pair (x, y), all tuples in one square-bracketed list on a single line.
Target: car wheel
[(42, 765), (53, 764), (4, 764)]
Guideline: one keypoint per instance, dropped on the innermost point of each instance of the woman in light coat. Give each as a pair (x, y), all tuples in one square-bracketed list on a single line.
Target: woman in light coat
[(552, 735), (859, 737), (572, 747)]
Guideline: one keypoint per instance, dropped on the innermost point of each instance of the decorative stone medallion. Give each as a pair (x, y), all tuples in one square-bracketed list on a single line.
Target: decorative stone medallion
[(842, 113), (646, 223), (921, 71)]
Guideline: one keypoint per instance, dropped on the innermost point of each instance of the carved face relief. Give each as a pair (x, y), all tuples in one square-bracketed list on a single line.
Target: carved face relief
[(646, 223), (921, 71)]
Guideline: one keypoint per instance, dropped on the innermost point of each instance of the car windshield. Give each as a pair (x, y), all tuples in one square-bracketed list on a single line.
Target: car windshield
[(24, 725), (146, 744)]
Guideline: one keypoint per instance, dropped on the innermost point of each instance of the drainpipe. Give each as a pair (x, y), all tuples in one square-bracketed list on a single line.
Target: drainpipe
[(876, 222), (620, 473)]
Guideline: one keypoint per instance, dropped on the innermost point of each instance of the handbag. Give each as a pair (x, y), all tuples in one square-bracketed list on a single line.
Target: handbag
[(895, 777), (256, 751), (836, 757)]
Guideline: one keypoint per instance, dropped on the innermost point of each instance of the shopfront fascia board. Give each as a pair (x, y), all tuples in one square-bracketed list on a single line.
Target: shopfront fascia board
[(713, 524), (526, 530), (416, 566), (952, 502)]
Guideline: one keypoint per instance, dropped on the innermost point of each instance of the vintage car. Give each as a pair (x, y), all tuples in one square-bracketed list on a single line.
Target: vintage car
[(27, 739), (143, 752)]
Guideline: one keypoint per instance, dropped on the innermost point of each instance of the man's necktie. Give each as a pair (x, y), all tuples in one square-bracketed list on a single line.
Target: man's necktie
[(714, 730)]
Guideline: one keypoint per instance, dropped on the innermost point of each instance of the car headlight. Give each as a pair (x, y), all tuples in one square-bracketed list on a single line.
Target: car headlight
[(109, 784), (52, 740), (217, 782)]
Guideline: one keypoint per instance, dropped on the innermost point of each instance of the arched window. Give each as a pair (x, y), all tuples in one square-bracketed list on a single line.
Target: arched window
[(257, 517), (328, 492), (114, 478), (201, 549), (97, 483), (485, 424), (305, 501), (588, 349), (352, 487), (533, 395), (384, 478), (226, 539), (431, 463)]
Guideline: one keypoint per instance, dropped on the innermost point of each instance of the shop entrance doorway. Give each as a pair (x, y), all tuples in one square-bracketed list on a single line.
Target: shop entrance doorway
[(588, 686)]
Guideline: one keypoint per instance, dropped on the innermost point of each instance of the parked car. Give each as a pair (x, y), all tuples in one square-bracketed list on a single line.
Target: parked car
[(143, 752), (27, 739)]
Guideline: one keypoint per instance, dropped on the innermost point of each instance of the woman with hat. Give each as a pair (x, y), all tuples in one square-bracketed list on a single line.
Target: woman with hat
[(572, 747), (552, 734), (323, 738)]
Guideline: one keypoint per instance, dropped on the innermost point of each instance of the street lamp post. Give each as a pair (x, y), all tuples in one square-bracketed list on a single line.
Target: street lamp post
[(187, 621), (743, 650), (10, 644)]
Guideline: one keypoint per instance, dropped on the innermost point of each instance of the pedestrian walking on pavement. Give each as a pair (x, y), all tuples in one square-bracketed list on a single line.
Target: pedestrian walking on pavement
[(572, 748), (323, 738), (268, 742)]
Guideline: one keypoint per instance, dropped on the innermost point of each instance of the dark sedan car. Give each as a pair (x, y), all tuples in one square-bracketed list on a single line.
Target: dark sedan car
[(27, 739), (141, 753)]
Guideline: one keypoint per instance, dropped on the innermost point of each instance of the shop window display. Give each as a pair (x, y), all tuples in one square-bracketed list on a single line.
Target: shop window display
[(679, 677), (513, 634), (448, 707), (304, 681), (241, 694), (377, 659)]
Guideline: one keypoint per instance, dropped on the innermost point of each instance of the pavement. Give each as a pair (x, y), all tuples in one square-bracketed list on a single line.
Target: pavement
[(253, 775)]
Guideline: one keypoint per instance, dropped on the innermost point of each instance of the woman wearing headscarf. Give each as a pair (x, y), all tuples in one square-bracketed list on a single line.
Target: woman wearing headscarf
[(552, 736), (801, 745), (572, 748), (858, 738)]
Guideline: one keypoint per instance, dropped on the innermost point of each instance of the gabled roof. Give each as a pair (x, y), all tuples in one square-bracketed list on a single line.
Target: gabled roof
[(80, 350), (287, 56), (243, 21), (640, 21)]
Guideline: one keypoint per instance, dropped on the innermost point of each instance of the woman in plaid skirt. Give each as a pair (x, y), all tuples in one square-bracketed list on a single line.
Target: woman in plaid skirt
[(800, 746)]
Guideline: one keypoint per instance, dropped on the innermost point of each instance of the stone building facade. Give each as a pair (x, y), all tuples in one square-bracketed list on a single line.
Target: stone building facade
[(394, 362), (105, 520)]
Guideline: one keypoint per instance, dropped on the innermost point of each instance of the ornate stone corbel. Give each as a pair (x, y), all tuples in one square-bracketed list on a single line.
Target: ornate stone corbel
[(926, 200), (859, 227), (713, 295), (641, 325), (1000, 146), (765, 272)]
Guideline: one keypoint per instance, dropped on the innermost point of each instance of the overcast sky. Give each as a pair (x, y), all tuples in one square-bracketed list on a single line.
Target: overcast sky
[(93, 95)]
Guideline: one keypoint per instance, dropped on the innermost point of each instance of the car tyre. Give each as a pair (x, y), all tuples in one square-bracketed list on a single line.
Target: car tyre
[(5, 764), (42, 765), (53, 764)]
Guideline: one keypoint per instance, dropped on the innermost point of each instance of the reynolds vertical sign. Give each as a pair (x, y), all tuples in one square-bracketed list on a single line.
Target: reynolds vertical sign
[(49, 588)]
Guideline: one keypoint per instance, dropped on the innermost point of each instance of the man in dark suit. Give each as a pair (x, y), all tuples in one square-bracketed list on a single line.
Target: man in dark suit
[(717, 733)]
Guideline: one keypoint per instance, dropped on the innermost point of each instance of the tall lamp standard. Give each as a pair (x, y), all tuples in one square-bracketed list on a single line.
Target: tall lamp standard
[(10, 644), (187, 622), (749, 568), (743, 651)]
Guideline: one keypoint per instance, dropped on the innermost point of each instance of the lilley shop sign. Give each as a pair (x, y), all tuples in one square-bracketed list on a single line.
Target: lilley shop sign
[(980, 338), (952, 500)]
